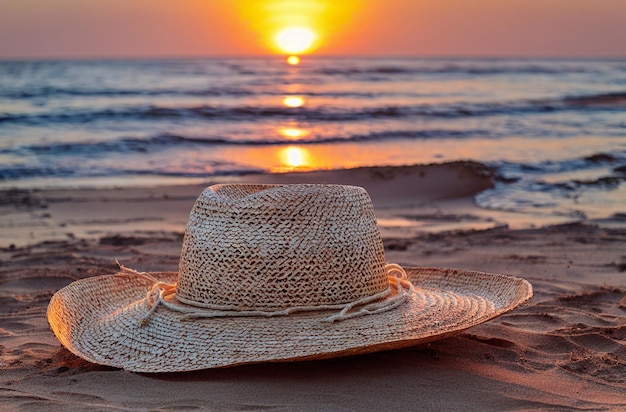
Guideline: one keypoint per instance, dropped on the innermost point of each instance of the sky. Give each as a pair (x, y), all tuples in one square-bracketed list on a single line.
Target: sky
[(172, 28)]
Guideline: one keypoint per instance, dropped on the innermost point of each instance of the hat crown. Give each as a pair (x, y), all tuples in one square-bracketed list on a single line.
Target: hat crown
[(272, 247)]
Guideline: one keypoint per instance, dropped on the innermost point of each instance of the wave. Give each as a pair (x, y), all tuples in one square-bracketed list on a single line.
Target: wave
[(150, 112), (607, 101), (369, 137), (166, 141), (492, 67), (514, 171), (58, 171), (546, 185), (214, 170), (60, 92)]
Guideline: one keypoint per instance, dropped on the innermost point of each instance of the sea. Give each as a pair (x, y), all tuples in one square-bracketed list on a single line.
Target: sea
[(554, 130)]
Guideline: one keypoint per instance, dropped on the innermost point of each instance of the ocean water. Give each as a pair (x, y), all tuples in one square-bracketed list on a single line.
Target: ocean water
[(554, 130)]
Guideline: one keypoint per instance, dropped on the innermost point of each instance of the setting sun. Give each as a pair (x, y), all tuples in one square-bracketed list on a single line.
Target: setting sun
[(297, 27), (295, 39)]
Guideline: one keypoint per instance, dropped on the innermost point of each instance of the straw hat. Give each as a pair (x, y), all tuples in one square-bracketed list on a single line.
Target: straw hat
[(273, 273)]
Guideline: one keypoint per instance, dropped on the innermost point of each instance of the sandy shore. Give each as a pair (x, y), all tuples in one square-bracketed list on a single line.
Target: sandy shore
[(565, 349)]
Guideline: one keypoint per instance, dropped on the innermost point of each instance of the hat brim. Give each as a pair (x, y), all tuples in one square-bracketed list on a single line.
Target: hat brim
[(98, 319)]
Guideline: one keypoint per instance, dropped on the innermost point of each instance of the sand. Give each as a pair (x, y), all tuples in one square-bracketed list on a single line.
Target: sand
[(565, 349)]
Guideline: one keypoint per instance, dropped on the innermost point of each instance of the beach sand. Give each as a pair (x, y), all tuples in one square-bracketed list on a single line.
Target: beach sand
[(564, 349)]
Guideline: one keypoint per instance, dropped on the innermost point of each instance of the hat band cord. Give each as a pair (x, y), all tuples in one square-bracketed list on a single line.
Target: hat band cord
[(161, 291)]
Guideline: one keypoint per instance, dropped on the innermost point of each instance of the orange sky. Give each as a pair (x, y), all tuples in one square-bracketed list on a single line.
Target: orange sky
[(147, 28)]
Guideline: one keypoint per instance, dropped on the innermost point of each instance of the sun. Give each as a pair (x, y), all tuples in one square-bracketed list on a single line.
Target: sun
[(295, 40)]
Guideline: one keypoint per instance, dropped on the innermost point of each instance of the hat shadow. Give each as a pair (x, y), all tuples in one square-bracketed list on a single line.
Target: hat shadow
[(65, 363), (335, 369)]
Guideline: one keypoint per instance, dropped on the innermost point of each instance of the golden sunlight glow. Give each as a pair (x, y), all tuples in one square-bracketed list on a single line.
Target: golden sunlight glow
[(292, 132), (295, 39), (298, 26), (293, 156), (293, 60), (293, 101)]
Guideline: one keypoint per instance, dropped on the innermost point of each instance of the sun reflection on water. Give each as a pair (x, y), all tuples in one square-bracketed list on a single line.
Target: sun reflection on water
[(293, 60), (294, 157), (292, 132), (293, 101)]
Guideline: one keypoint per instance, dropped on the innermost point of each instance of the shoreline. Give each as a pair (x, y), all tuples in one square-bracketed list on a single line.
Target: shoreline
[(408, 200), (564, 349)]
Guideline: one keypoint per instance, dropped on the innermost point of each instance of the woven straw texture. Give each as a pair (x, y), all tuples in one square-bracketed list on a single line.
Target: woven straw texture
[(271, 247), (311, 252), (97, 319)]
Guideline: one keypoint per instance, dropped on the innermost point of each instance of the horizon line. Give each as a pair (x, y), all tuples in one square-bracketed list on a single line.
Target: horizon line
[(311, 56)]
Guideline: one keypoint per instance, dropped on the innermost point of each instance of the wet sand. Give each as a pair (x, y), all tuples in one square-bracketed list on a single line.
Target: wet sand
[(565, 349)]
